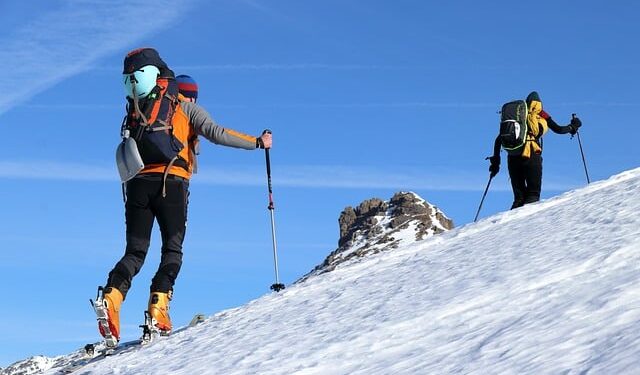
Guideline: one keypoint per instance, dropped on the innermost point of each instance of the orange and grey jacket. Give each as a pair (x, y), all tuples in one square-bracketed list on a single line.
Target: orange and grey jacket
[(189, 122)]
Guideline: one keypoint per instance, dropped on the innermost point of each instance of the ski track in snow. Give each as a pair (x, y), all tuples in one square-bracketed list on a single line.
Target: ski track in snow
[(551, 288)]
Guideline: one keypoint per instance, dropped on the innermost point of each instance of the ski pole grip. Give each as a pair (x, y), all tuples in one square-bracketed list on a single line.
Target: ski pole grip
[(266, 131), (268, 162)]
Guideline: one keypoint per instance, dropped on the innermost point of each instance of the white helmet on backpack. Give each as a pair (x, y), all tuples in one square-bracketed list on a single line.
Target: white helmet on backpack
[(141, 82)]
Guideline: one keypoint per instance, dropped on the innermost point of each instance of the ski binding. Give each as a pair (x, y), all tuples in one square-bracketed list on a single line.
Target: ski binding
[(149, 329)]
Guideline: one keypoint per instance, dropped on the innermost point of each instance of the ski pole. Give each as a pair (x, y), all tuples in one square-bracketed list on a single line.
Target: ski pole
[(584, 163), (277, 286), (482, 200)]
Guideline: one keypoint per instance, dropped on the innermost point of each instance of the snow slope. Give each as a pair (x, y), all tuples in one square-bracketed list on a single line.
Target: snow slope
[(551, 288)]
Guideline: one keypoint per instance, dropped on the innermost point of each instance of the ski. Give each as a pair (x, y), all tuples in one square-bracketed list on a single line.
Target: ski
[(92, 353)]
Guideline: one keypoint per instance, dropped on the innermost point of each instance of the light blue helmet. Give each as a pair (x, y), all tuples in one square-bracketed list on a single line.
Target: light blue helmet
[(141, 81)]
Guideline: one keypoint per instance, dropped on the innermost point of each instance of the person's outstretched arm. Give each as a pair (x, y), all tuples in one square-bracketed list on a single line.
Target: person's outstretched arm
[(559, 129), (205, 126)]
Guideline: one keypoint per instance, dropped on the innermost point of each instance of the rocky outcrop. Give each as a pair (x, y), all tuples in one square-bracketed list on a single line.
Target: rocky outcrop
[(376, 225)]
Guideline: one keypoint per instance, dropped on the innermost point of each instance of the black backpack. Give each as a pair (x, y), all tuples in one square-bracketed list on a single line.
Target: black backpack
[(151, 127), (513, 126), (147, 132)]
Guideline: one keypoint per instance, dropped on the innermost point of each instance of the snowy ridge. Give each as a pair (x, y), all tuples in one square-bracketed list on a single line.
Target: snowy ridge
[(549, 288), (33, 365)]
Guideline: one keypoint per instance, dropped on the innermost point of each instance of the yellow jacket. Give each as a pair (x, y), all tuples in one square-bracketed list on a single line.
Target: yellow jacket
[(537, 126)]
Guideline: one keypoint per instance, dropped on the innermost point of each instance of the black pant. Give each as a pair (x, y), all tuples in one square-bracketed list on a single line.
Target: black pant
[(144, 204), (526, 179)]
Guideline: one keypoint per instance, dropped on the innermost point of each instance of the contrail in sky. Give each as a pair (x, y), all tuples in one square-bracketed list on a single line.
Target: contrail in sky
[(67, 39), (297, 176)]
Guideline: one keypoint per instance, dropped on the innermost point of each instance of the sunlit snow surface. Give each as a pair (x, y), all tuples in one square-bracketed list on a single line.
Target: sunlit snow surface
[(551, 288)]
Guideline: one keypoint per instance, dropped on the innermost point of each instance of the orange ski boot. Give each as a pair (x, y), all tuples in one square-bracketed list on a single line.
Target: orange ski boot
[(159, 311), (108, 313)]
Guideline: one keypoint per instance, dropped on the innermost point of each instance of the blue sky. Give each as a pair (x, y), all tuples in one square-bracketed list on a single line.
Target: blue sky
[(365, 98)]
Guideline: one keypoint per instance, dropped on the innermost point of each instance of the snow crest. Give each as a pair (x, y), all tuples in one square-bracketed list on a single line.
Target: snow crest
[(549, 288), (32, 366)]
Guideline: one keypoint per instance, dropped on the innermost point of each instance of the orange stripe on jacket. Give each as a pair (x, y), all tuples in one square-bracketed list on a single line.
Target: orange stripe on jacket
[(248, 138)]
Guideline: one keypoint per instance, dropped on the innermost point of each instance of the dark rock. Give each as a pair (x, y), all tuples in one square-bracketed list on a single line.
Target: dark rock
[(376, 225)]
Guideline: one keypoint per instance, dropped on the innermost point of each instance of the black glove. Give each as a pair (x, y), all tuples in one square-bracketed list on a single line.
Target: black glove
[(494, 168), (575, 124)]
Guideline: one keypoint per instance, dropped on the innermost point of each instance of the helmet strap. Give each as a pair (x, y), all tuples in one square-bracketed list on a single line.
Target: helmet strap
[(136, 105)]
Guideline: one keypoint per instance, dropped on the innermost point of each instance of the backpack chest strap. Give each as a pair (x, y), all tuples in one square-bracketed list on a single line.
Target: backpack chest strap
[(160, 128)]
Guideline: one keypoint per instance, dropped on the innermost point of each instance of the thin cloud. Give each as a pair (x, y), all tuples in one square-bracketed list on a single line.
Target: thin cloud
[(389, 105), (70, 37), (373, 105), (300, 66), (48, 170), (415, 104), (71, 106), (343, 177), (600, 104), (357, 66), (368, 177), (315, 176), (275, 66)]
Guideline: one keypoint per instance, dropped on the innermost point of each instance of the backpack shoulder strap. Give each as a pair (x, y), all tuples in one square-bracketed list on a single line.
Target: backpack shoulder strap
[(165, 106)]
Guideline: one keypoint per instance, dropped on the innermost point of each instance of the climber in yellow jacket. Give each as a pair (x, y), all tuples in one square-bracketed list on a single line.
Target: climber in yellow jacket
[(525, 168)]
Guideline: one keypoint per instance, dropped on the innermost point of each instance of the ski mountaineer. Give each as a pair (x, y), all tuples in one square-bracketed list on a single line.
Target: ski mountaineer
[(160, 190), (525, 170)]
